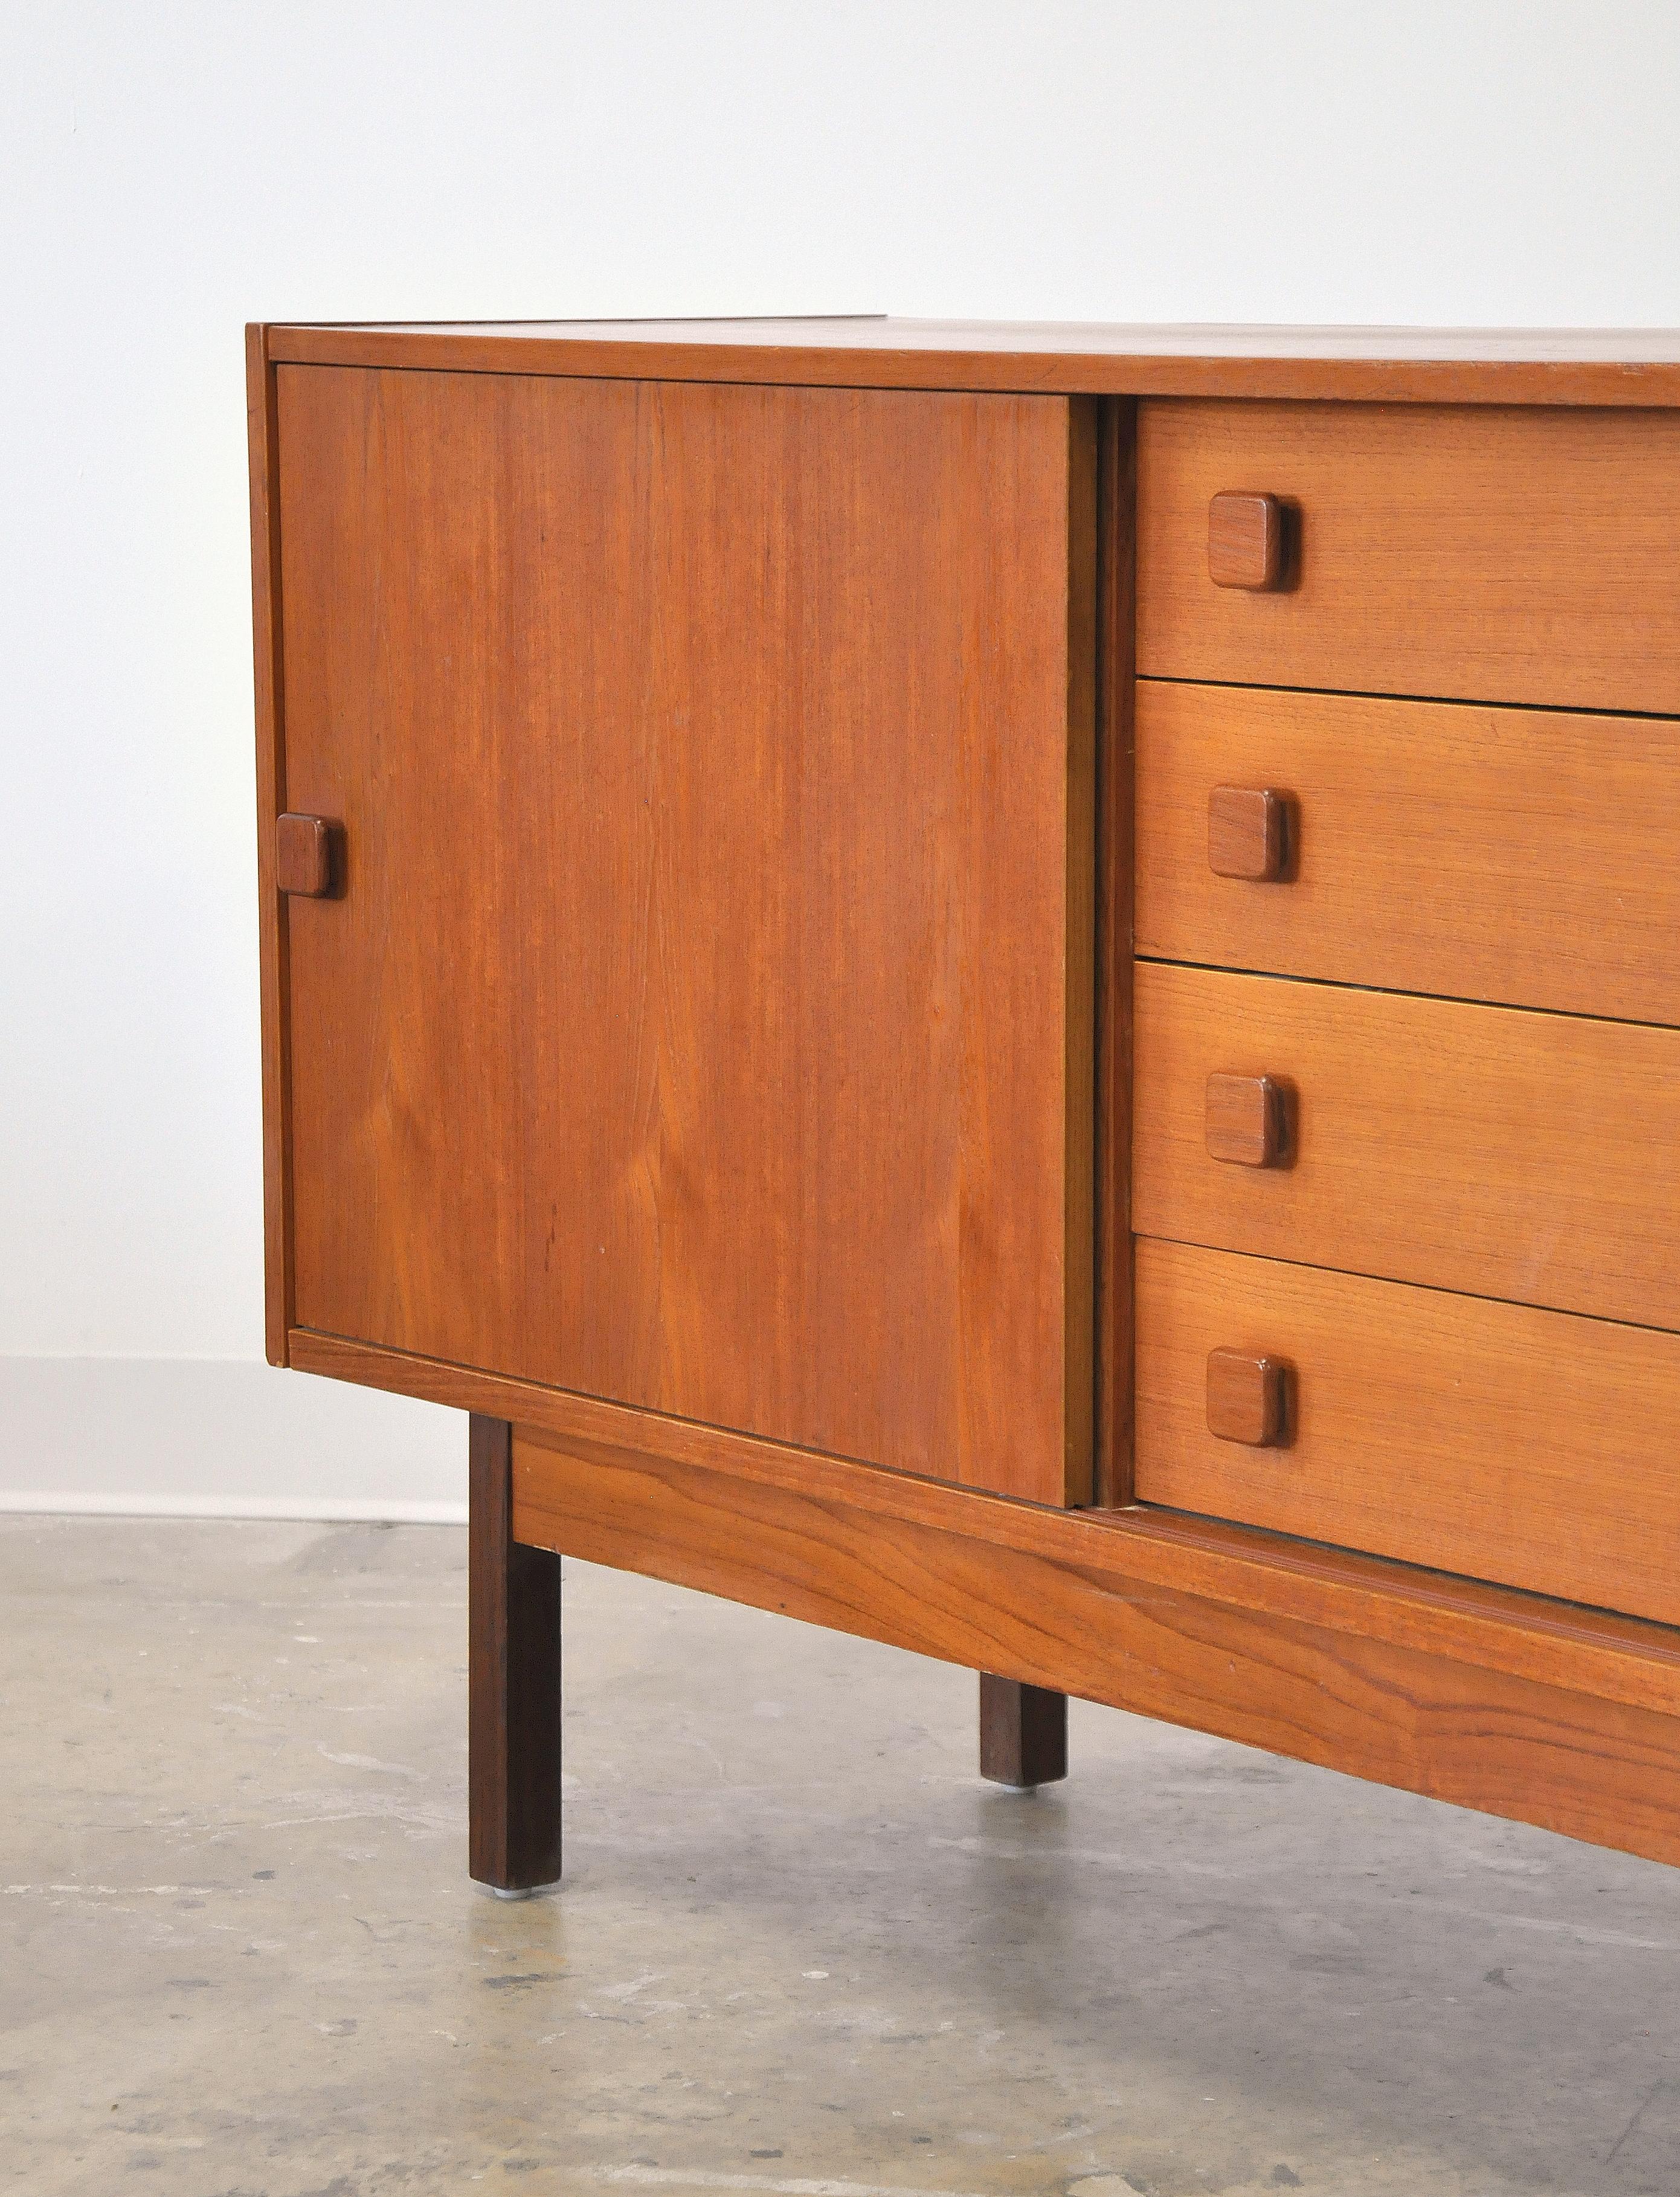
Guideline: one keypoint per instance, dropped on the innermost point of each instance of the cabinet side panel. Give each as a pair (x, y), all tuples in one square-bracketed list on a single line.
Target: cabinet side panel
[(262, 423)]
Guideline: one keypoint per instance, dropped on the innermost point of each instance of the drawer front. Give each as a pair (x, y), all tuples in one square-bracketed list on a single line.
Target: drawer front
[(1520, 855), (1531, 1157), (1523, 1446), (1501, 555)]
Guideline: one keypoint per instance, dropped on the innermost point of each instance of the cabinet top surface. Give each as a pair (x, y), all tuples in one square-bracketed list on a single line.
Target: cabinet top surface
[(1580, 366)]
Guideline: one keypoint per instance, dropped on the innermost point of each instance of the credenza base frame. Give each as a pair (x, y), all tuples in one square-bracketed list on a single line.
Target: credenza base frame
[(1494, 1699)]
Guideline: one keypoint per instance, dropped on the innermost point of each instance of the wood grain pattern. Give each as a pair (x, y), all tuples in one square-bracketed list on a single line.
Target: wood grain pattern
[(708, 1022), (1535, 1158), (1528, 1447), (1554, 1643), (1517, 855), (1431, 366), (514, 1680), (1245, 541), (1116, 694), (1591, 1768), (1024, 1733), (1503, 555), (263, 438)]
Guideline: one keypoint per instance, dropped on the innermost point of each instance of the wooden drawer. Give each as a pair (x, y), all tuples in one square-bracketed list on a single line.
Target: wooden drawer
[(1532, 1156), (1525, 1447), (1515, 855), (1504, 555)]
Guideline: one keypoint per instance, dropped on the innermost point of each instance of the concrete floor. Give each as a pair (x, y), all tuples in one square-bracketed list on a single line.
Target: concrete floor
[(801, 1948)]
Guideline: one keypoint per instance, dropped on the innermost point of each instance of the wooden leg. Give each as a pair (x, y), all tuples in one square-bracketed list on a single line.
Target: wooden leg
[(1024, 1733), (513, 1705)]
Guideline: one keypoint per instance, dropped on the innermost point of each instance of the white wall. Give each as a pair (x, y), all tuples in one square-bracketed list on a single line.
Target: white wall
[(169, 170)]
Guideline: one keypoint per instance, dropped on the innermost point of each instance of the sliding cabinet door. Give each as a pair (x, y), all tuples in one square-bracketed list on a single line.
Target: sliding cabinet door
[(702, 1019)]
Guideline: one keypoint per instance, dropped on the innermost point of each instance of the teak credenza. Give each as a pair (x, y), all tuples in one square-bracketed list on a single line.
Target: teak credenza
[(1014, 989)]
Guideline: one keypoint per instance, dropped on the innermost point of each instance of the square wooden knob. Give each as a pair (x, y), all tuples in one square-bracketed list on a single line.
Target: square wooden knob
[(1246, 1397), (1248, 832), (304, 860), (1247, 1121), (1245, 541)]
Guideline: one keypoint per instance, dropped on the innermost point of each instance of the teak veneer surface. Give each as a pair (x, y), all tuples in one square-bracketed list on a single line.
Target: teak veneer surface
[(1509, 366), (706, 1021), (1530, 1448), (713, 1059), (1503, 555), (1483, 1738), (1530, 1157), (1521, 855)]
